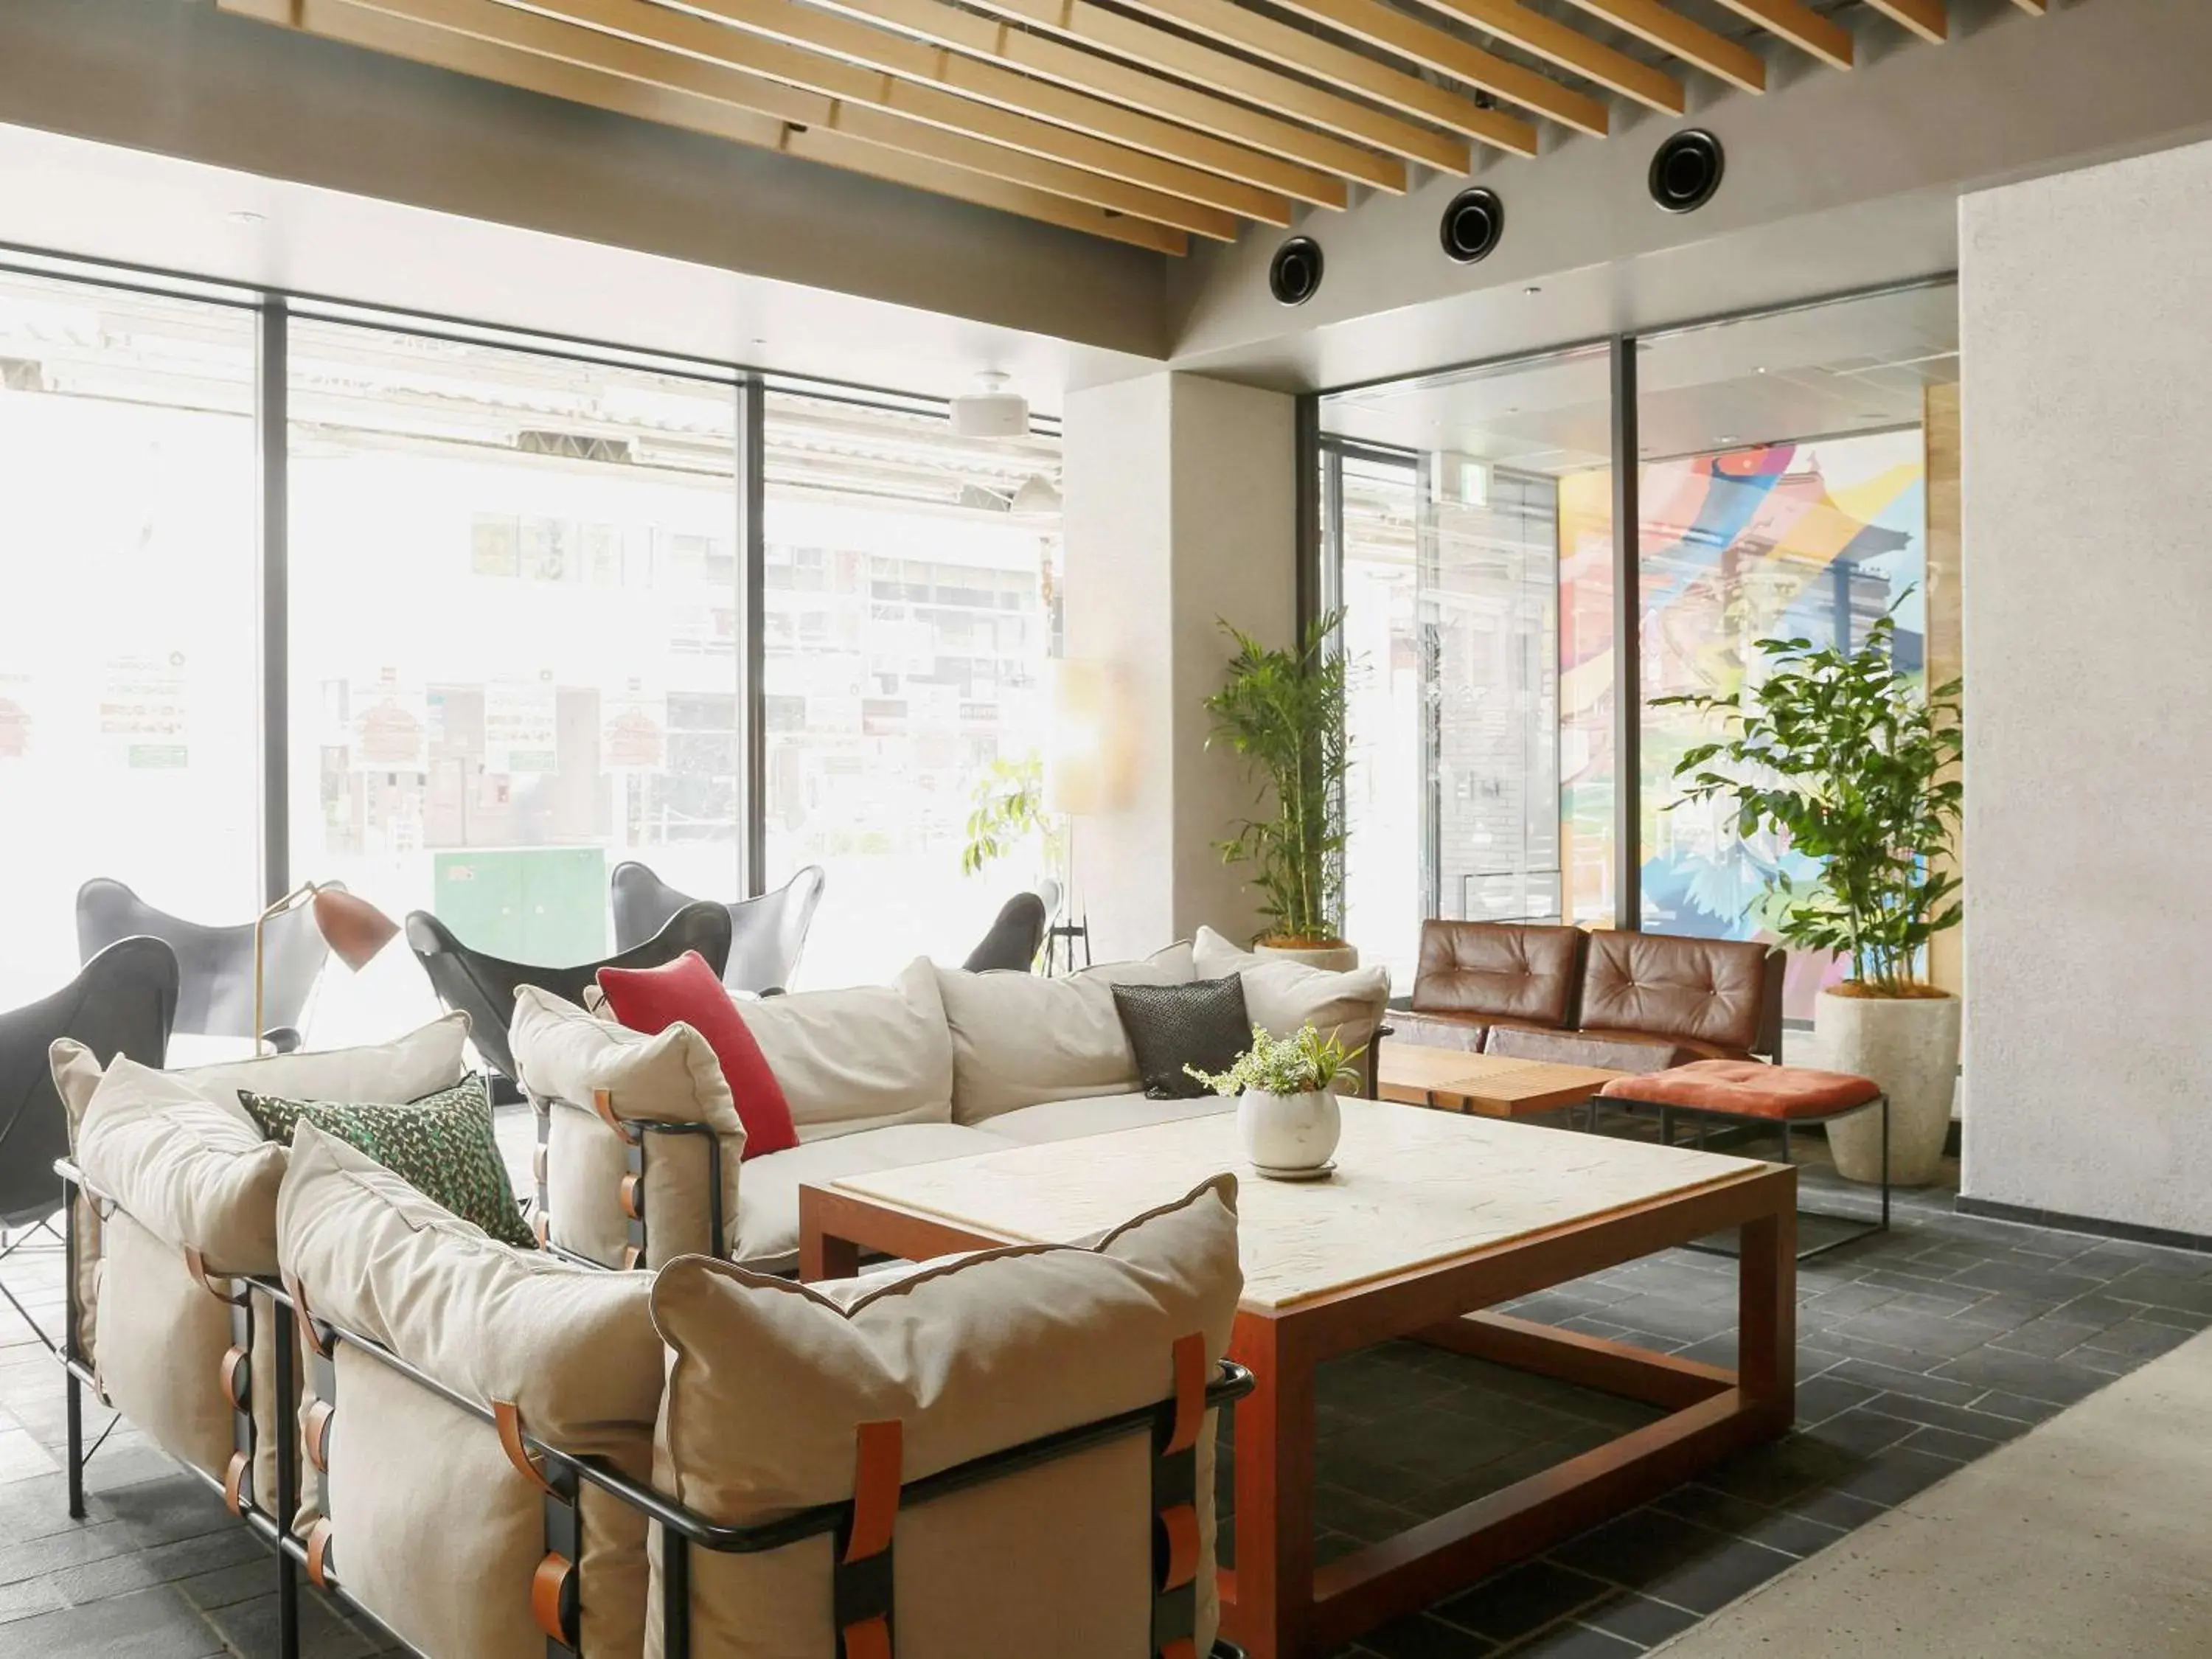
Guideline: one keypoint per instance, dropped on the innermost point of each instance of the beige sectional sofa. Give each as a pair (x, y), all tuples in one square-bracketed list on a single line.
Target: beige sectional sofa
[(940, 1064), (468, 1441)]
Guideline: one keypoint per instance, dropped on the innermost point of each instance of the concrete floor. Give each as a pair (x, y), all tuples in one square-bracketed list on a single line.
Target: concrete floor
[(2091, 1536)]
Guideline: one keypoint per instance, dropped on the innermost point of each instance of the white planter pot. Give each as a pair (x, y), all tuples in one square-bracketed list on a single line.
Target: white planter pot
[(1288, 1132), (1910, 1046), (1335, 958)]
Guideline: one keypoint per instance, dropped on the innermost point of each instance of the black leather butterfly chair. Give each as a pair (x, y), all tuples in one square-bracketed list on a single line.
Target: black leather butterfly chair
[(123, 1002), (484, 987), (215, 965), (766, 933), (1014, 938)]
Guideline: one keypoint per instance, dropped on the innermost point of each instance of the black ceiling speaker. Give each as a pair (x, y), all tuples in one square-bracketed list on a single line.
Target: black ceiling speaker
[(1294, 274), (1687, 171), (1472, 225)]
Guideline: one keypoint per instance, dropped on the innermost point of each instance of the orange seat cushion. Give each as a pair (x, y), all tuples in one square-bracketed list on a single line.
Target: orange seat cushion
[(1745, 1088)]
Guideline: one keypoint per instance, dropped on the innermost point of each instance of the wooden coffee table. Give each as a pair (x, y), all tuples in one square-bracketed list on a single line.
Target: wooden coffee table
[(1428, 1217), (1493, 1085)]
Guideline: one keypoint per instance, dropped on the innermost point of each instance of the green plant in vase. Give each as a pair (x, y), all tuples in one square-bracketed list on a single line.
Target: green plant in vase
[(1840, 752), (1285, 1091), (1283, 711)]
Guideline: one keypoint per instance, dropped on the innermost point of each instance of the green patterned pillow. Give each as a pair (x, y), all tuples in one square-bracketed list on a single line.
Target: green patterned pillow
[(442, 1145)]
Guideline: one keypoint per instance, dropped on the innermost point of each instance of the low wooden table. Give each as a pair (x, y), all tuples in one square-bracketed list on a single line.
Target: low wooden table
[(1493, 1085), (1429, 1216)]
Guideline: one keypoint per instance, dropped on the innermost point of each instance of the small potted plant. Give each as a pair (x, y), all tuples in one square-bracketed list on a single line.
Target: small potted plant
[(1286, 1111), (1284, 712), (1839, 752)]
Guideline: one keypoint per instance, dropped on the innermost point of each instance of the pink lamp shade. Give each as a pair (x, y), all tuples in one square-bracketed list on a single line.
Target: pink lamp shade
[(354, 929)]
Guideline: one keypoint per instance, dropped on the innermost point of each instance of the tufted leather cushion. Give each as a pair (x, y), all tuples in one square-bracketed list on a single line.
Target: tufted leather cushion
[(1499, 971), (1704, 991)]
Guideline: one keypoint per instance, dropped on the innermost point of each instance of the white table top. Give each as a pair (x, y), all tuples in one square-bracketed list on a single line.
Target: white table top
[(1412, 1187)]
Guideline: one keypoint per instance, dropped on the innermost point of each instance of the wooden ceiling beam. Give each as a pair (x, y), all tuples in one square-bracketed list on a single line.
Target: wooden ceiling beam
[(1345, 69), (834, 76), (1572, 49), (1693, 43), (1394, 31), (1801, 25), (916, 61), (1141, 42), (1055, 60), (1926, 18), (924, 159)]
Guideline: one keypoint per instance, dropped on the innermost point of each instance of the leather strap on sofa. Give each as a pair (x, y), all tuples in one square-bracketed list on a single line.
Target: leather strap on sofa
[(861, 1584)]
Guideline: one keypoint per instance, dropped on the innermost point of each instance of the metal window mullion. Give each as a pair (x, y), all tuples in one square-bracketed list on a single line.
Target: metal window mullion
[(1628, 644), (752, 667), (272, 423)]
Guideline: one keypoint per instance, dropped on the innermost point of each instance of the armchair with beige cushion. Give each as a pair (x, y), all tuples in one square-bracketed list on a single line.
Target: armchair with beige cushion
[(495, 1454), (1629, 1002), (642, 1155)]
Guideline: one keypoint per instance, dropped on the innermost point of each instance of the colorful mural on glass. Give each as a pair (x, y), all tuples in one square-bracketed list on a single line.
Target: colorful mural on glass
[(1815, 540)]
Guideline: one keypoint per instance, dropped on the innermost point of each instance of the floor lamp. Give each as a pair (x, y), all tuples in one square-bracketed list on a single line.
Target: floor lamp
[(354, 929), (1077, 771)]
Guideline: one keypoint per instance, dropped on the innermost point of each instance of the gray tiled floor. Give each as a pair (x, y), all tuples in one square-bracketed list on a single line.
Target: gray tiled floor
[(1917, 1352)]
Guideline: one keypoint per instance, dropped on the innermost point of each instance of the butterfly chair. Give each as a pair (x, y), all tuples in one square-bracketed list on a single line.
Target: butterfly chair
[(483, 987), (1014, 938), (766, 933), (215, 965), (122, 1002)]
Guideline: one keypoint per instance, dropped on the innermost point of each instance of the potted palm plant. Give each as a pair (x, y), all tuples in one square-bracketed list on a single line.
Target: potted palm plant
[(1841, 753), (1283, 711)]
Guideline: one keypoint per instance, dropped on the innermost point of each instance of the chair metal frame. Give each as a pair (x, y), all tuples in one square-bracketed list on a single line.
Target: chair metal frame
[(863, 1584)]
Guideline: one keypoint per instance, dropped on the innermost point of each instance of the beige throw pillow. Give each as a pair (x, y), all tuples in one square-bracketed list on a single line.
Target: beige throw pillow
[(573, 1348), (769, 1381), (861, 1057), (1282, 995)]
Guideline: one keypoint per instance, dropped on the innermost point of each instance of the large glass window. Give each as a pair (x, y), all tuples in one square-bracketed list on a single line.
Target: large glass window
[(130, 665), (515, 642), (1444, 502), (909, 613)]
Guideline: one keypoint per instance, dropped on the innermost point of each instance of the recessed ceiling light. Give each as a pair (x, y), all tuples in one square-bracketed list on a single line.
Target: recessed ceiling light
[(1534, 287), (1761, 369), (1728, 438), (245, 216)]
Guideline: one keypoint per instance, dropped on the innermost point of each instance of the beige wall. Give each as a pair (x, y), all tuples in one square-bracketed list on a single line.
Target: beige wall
[(2088, 407), (1180, 511)]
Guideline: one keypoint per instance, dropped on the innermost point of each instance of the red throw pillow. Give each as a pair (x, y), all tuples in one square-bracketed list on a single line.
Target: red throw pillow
[(686, 991)]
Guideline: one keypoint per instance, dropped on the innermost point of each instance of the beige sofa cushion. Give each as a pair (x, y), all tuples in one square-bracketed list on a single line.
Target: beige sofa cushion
[(1070, 1119), (193, 1171), (768, 1381), (429, 1058), (77, 1073), (165, 1338), (1021, 1040), (1283, 995), (861, 1058), (572, 1347), (767, 1226), (563, 1055)]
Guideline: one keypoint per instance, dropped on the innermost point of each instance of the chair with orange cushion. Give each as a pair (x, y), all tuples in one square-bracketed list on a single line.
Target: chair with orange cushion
[(1751, 1091)]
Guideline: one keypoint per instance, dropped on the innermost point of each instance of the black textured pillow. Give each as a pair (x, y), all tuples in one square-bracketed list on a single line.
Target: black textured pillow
[(1171, 1026)]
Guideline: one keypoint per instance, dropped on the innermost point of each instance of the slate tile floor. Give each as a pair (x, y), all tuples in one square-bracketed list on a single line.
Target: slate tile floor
[(1917, 1352)]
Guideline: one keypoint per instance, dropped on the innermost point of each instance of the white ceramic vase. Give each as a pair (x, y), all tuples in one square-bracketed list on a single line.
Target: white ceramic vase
[(1333, 958), (1288, 1132), (1910, 1046)]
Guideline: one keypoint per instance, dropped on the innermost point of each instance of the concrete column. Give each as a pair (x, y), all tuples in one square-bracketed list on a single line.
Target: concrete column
[(1180, 512), (2088, 517)]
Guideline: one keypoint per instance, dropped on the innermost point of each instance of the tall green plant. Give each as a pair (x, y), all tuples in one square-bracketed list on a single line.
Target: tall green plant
[(1838, 751), (1284, 712)]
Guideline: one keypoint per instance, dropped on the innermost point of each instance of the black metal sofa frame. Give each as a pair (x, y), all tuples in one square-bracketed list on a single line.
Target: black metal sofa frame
[(862, 1580)]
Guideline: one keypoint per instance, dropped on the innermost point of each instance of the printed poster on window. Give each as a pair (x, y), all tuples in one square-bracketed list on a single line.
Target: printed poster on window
[(15, 716), (519, 726), (142, 711), (634, 730), (389, 728)]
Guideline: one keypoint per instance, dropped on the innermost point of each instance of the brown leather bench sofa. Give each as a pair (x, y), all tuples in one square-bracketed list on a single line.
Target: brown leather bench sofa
[(1630, 1002)]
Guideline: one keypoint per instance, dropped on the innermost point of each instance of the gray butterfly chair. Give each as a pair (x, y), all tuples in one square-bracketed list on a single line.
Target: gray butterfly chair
[(766, 933), (1016, 935), (123, 1002), (215, 965), (483, 985)]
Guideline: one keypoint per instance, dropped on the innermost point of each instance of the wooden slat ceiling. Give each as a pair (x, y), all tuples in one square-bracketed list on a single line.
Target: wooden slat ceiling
[(1142, 121)]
